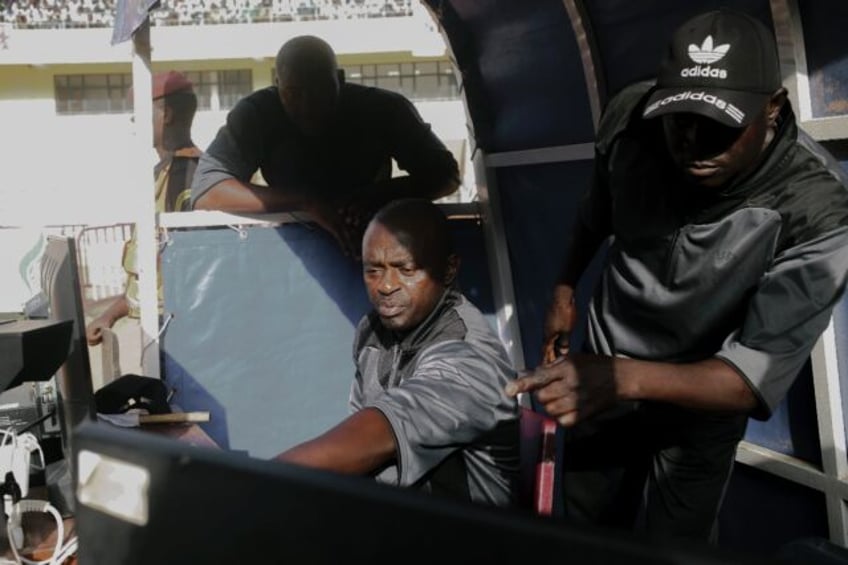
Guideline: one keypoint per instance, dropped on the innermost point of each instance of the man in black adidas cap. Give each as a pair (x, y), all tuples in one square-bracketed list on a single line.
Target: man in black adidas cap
[(727, 233)]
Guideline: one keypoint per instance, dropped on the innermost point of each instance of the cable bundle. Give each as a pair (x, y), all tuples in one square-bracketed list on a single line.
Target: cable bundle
[(15, 465)]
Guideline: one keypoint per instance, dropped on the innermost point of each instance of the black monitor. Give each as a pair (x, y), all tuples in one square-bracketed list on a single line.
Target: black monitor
[(60, 284), (32, 350), (144, 498)]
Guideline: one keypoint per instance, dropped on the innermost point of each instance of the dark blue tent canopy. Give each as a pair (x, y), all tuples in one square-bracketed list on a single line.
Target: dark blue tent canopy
[(535, 76)]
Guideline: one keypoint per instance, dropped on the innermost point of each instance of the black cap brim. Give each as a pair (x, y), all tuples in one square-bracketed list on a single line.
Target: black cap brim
[(729, 107)]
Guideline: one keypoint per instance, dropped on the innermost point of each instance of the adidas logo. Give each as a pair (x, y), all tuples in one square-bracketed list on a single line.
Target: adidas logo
[(736, 114), (706, 54), (699, 71)]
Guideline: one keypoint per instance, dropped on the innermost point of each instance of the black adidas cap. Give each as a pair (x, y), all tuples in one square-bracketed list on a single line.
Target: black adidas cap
[(720, 64)]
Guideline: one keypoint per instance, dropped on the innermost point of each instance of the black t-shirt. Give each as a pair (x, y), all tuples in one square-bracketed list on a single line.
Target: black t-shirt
[(372, 126)]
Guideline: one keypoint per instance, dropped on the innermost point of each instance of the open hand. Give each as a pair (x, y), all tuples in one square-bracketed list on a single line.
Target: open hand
[(359, 210), (330, 216)]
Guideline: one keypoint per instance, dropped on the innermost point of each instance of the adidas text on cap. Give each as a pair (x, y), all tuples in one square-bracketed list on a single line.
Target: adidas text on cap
[(722, 65)]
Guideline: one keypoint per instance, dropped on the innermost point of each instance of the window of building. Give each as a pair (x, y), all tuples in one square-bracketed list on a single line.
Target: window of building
[(827, 66), (108, 93), (428, 80), (420, 82), (93, 93), (220, 90)]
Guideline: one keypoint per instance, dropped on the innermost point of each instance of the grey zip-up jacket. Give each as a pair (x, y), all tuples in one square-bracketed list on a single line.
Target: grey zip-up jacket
[(748, 274), (441, 387)]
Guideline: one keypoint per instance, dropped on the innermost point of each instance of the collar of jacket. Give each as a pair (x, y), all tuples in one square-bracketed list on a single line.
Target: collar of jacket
[(777, 155)]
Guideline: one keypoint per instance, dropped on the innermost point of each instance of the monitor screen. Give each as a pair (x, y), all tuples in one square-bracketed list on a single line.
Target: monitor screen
[(60, 284), (143, 498), (32, 350)]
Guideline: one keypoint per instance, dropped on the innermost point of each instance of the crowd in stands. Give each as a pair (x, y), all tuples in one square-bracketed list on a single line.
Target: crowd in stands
[(101, 13), (57, 13)]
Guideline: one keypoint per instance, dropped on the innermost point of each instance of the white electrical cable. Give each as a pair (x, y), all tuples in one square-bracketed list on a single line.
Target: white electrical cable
[(63, 549), (167, 321), (68, 550), (16, 537), (31, 444), (28, 443), (10, 433)]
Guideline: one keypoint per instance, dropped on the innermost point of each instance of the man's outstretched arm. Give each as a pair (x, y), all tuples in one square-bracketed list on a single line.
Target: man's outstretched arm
[(575, 388), (359, 445), (234, 195)]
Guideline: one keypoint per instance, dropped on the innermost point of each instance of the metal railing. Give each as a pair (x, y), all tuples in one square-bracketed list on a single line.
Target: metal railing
[(100, 252)]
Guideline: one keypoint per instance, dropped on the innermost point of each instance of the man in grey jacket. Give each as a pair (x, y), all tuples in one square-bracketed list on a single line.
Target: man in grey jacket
[(428, 405)]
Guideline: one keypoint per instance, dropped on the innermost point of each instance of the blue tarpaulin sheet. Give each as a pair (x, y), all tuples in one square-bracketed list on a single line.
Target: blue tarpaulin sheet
[(263, 325)]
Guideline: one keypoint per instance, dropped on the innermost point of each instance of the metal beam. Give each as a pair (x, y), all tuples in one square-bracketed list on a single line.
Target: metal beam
[(542, 155), (500, 270), (497, 252), (143, 194), (781, 465), (831, 427), (583, 34), (826, 129), (789, 34)]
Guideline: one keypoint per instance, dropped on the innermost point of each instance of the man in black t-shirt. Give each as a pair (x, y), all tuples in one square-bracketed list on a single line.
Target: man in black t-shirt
[(322, 146)]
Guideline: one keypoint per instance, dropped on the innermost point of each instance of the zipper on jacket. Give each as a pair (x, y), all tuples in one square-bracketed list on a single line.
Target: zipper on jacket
[(671, 258), (394, 379)]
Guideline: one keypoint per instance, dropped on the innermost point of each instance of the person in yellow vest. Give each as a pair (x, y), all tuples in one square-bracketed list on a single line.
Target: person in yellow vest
[(174, 106)]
